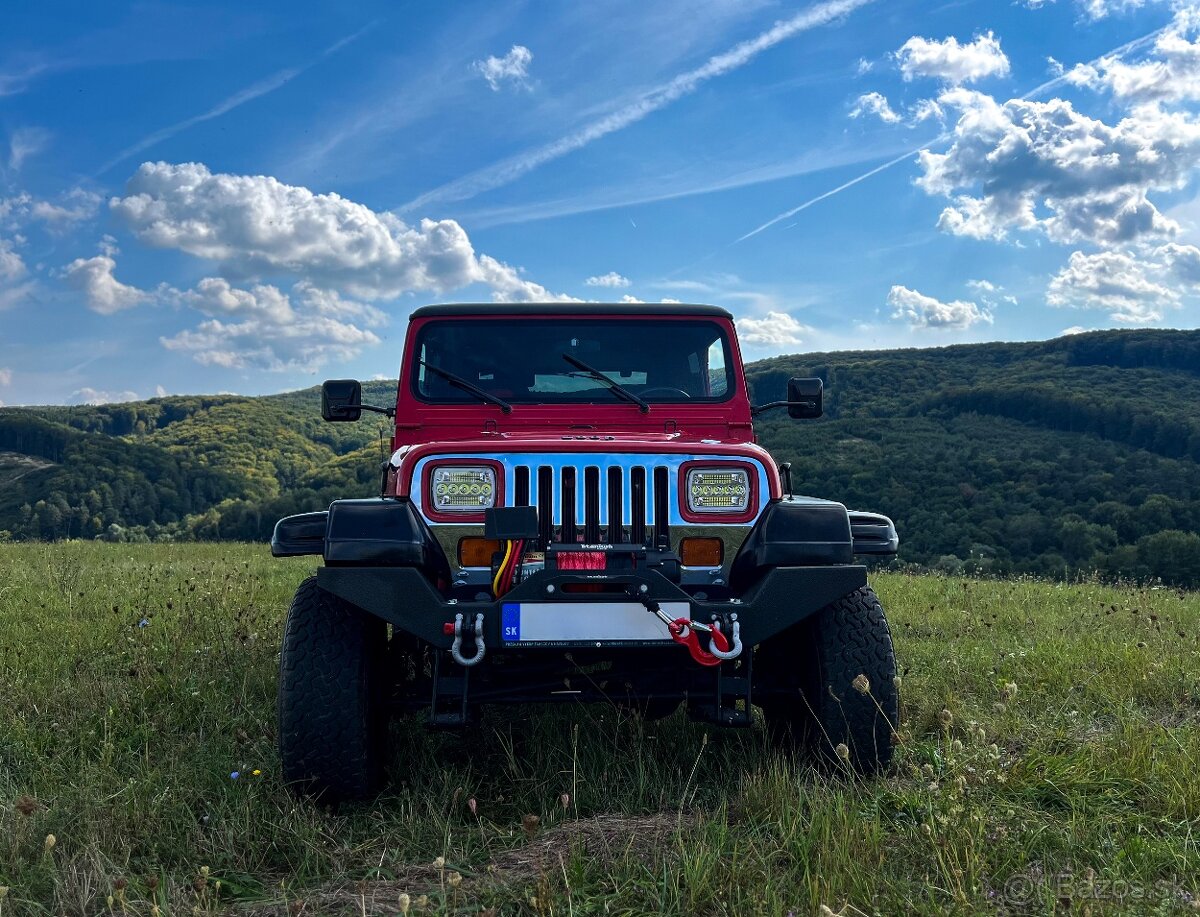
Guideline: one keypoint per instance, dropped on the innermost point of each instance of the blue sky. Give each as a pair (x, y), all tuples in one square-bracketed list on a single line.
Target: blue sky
[(203, 198)]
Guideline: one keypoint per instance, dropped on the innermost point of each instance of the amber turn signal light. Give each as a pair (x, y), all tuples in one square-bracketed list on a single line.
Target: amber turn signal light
[(477, 552), (701, 552)]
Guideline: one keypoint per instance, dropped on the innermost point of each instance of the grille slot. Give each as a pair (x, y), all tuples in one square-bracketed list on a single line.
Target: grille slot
[(591, 504), (616, 525), (569, 533), (521, 486), (637, 505), (662, 527), (545, 503)]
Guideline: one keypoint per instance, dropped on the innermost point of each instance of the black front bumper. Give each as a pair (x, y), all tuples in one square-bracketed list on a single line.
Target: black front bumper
[(404, 598)]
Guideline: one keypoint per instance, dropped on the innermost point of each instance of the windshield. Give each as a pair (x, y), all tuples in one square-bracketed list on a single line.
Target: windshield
[(536, 360)]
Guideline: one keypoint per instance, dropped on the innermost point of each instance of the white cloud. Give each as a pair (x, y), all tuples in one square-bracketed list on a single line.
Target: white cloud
[(1132, 291), (512, 68), (926, 110), (1173, 77), (950, 61), (647, 103), (611, 279), (922, 311), (1044, 166), (88, 395), (76, 206), (874, 103), (102, 291), (864, 66), (11, 265), (1182, 261), (772, 330), (266, 328), (256, 224), (982, 286), (5, 376), (1097, 9), (1074, 329), (25, 142)]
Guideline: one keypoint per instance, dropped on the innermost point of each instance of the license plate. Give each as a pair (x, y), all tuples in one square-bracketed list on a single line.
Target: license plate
[(576, 622)]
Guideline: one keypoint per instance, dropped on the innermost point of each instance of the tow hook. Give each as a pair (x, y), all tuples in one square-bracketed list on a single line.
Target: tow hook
[(456, 646), (687, 632)]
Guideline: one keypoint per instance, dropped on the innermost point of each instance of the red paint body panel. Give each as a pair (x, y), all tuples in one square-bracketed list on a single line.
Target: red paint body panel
[(722, 428)]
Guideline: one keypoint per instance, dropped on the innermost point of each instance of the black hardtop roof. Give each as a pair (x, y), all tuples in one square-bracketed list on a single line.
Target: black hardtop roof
[(570, 308)]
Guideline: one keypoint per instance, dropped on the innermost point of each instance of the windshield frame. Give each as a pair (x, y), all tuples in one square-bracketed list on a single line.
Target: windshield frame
[(602, 395)]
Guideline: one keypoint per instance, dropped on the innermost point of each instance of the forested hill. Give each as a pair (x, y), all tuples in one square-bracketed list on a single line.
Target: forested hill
[(1078, 453)]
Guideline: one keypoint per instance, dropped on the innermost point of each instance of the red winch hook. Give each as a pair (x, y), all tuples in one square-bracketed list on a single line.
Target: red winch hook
[(684, 631)]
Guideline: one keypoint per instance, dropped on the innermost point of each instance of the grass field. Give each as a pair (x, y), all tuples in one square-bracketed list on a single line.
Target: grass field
[(1048, 762)]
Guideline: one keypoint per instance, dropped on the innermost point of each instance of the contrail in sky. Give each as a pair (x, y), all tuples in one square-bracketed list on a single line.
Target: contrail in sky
[(1124, 49), (241, 97), (684, 84)]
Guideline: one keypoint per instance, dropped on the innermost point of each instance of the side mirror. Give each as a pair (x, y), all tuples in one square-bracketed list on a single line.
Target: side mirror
[(341, 400), (804, 398)]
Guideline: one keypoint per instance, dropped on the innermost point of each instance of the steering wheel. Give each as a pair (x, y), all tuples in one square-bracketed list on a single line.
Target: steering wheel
[(665, 388)]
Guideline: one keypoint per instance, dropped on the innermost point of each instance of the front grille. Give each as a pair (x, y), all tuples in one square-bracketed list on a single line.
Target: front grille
[(589, 503)]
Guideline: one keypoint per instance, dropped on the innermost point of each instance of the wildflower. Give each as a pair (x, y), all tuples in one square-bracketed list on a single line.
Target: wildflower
[(234, 775), (842, 751), (257, 772), (945, 717), (956, 746), (927, 770), (145, 622), (565, 799), (405, 903), (926, 829), (454, 880), (439, 863), (529, 824), (861, 684), (204, 871), (897, 682), (422, 901), (51, 840), (1010, 690), (154, 911), (3, 892), (473, 805), (826, 911)]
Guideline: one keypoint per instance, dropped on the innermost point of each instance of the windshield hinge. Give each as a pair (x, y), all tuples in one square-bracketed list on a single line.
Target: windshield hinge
[(670, 426), (490, 428)]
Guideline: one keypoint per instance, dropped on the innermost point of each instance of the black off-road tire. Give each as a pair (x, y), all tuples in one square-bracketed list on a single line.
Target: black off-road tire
[(332, 714), (806, 677)]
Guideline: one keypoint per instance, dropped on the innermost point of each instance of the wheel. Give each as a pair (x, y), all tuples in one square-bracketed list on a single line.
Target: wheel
[(332, 715), (806, 677)]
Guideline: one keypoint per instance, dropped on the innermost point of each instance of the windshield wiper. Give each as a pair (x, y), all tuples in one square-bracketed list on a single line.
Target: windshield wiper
[(459, 382), (617, 389)]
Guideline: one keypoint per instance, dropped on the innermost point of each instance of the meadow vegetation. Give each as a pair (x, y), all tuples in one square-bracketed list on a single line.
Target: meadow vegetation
[(1047, 762)]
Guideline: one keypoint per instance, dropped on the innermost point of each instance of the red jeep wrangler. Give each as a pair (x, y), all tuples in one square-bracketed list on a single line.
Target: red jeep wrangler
[(576, 489)]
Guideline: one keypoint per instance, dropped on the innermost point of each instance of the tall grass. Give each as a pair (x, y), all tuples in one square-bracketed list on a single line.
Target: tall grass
[(1048, 759)]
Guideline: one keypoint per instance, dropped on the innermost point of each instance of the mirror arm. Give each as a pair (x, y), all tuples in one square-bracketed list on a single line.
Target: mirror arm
[(755, 410), (390, 412)]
